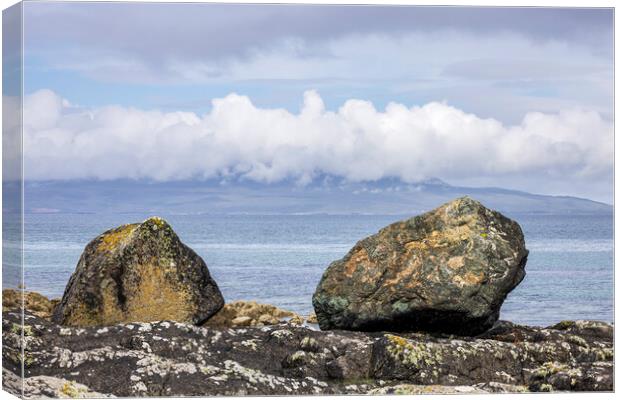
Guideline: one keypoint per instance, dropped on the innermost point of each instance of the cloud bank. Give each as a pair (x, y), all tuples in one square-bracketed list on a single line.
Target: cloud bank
[(237, 139), (498, 62), (241, 29)]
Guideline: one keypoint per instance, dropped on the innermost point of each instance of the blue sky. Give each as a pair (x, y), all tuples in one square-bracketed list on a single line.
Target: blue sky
[(495, 64)]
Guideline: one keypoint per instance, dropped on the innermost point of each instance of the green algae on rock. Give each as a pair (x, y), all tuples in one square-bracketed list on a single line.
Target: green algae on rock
[(138, 272), (448, 270)]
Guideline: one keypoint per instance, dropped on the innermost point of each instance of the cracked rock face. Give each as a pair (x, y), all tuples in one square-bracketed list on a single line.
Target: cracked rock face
[(176, 359), (448, 270), (138, 272)]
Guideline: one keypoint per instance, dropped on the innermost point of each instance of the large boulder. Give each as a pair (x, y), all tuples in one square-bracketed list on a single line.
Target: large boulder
[(138, 272), (448, 270)]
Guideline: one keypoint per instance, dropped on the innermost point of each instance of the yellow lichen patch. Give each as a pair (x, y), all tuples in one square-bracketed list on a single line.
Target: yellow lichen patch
[(158, 221), (79, 315), (68, 390), (415, 355), (158, 296), (109, 311), (112, 240), (397, 340)]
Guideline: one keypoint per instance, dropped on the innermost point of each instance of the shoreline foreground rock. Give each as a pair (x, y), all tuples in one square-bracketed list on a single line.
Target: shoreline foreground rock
[(448, 270), (167, 358), (138, 272)]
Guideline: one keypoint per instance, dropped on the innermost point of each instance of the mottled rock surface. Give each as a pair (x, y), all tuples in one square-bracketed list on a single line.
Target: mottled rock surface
[(138, 272), (448, 270), (175, 359)]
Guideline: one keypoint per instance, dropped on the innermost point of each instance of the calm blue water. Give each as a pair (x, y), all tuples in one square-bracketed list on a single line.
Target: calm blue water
[(280, 259)]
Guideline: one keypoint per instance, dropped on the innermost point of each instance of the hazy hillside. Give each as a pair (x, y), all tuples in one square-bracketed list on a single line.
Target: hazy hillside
[(328, 195)]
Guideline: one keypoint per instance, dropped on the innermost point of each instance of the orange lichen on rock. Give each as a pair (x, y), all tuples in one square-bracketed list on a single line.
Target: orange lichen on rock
[(358, 259)]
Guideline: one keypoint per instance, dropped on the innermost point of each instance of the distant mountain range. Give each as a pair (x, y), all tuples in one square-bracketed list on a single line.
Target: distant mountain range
[(327, 195)]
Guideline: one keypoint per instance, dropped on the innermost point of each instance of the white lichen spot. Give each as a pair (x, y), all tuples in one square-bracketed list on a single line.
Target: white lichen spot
[(146, 347), (139, 387), (65, 332), (282, 333), (251, 343)]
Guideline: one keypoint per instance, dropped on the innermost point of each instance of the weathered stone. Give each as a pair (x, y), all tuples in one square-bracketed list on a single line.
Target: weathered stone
[(241, 321), (448, 270), (267, 319), (37, 387), (38, 304), (257, 314), (312, 319), (408, 389), (138, 272), (297, 320), (177, 359)]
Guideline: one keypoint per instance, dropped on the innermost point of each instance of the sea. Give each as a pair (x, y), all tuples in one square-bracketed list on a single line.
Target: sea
[(279, 259)]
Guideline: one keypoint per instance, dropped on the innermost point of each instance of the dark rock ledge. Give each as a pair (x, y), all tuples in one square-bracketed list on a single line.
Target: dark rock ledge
[(177, 359)]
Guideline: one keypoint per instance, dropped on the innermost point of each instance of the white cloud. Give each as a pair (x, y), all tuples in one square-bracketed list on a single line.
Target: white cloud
[(357, 142)]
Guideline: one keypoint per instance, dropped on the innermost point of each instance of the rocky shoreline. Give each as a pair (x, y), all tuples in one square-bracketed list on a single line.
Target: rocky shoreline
[(411, 309), (169, 358)]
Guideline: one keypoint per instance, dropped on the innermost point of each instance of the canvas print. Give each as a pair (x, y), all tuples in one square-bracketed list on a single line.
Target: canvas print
[(205, 199)]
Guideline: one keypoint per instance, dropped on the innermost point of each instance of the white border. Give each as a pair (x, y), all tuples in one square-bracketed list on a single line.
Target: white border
[(484, 3)]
